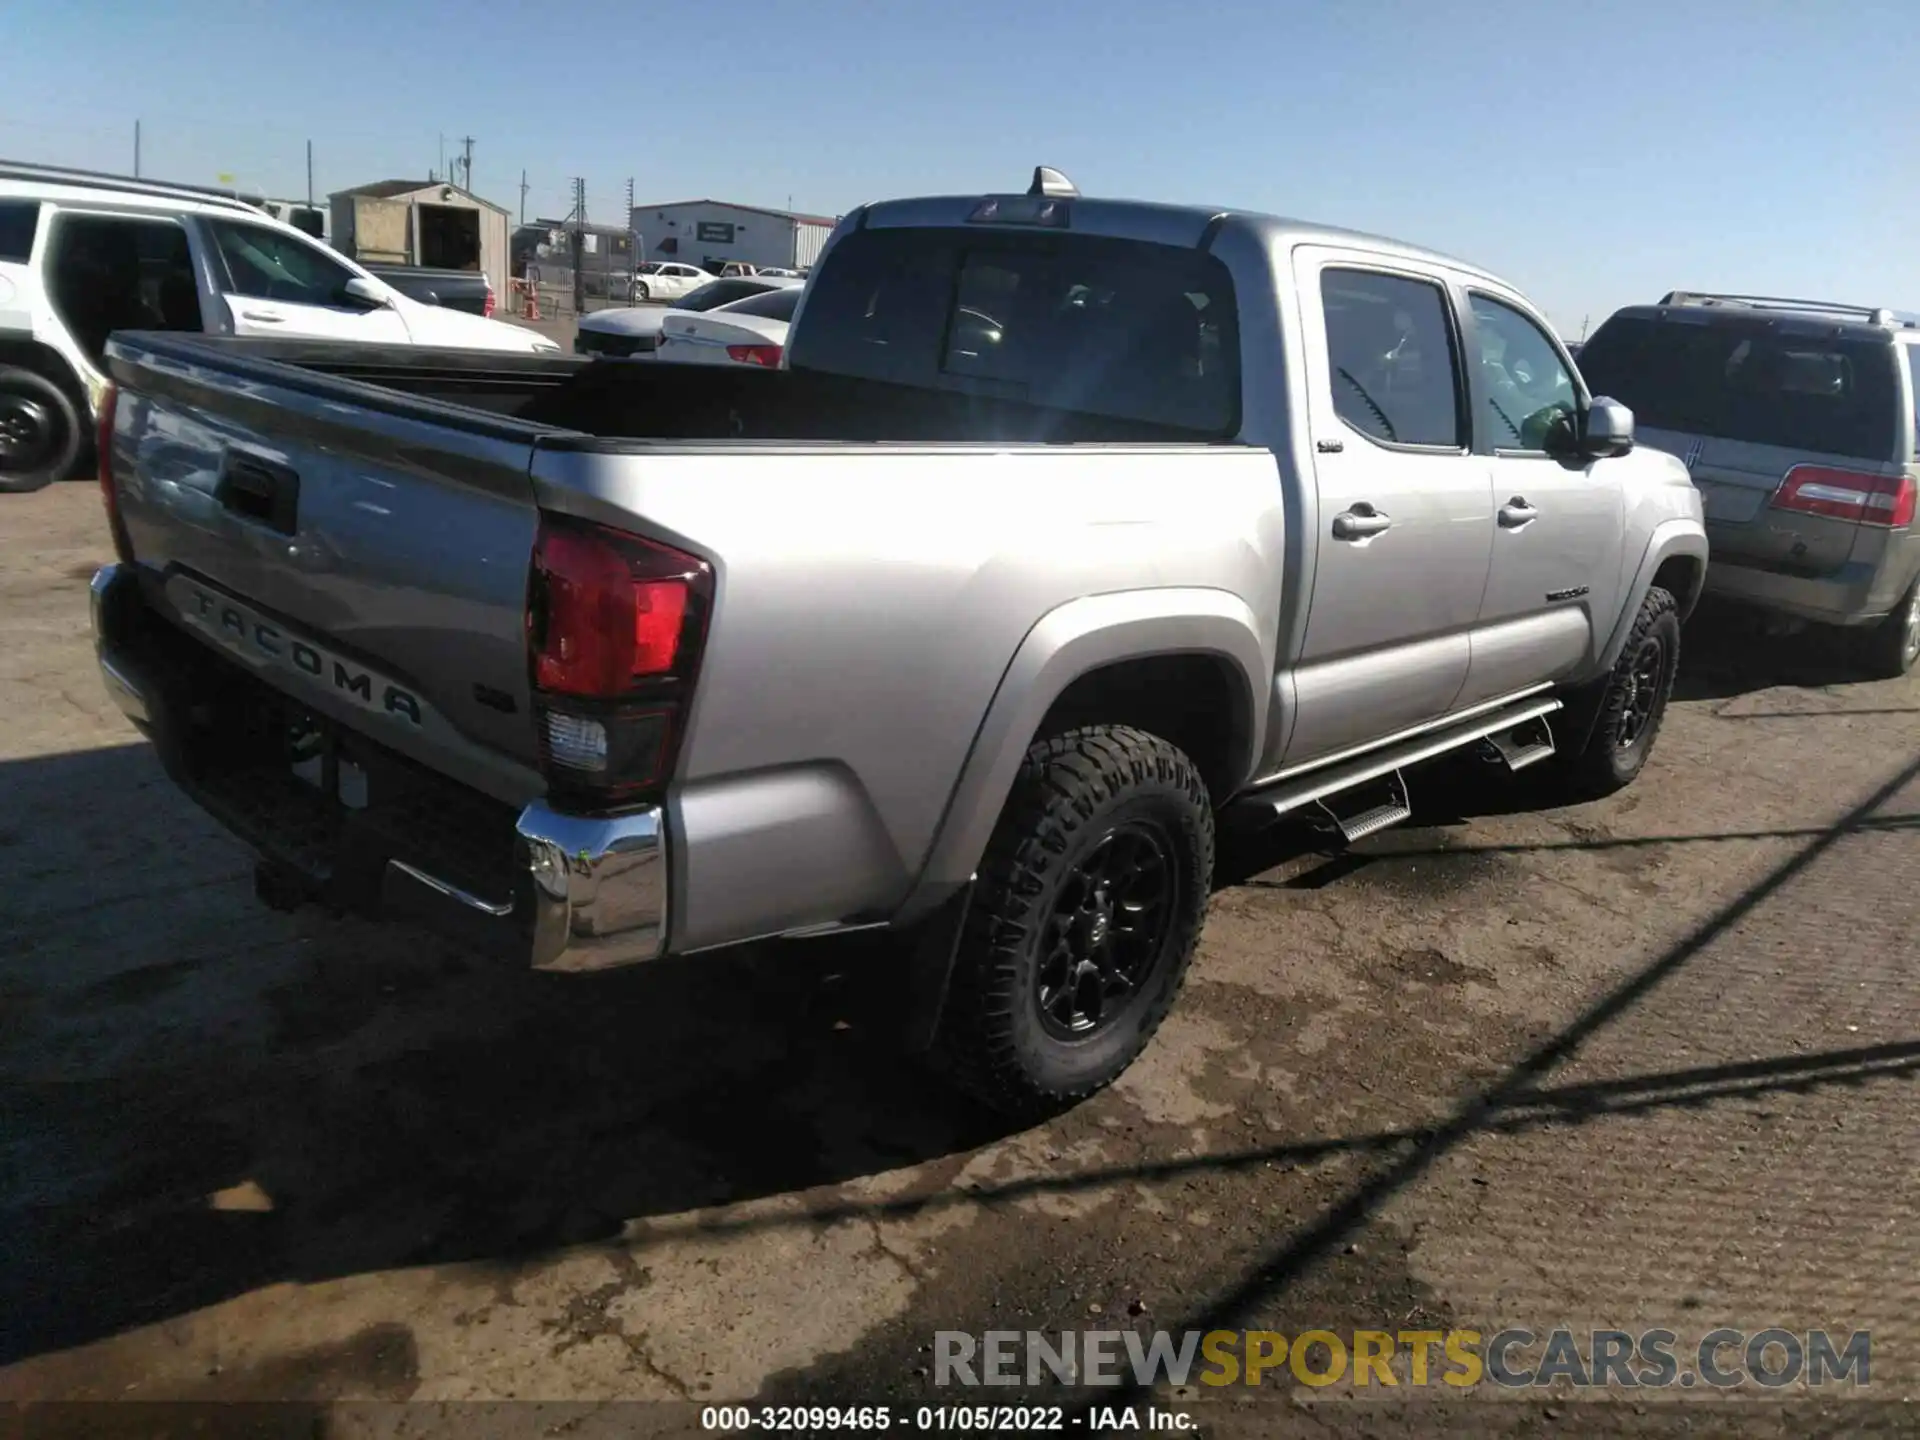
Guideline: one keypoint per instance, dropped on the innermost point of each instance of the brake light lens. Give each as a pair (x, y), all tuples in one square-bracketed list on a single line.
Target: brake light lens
[(1881, 500), (486, 309), (103, 453), (611, 609), (615, 625), (767, 355)]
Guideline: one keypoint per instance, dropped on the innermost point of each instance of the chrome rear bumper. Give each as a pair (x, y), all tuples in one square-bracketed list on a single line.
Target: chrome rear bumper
[(589, 892)]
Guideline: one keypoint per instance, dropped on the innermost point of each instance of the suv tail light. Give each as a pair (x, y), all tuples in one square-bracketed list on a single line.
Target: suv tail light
[(1885, 500), (767, 355), (615, 625), (103, 454), (486, 309)]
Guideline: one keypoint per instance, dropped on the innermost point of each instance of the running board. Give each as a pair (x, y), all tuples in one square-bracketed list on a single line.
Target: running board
[(1525, 744), (1389, 811), (1318, 785)]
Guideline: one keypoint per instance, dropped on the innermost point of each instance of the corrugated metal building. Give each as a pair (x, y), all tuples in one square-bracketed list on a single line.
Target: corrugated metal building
[(422, 222), (712, 232)]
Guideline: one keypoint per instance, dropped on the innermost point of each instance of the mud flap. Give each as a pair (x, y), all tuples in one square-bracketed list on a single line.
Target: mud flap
[(936, 943)]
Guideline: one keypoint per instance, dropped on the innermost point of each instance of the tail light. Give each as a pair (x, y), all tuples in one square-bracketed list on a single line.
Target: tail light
[(1884, 500), (486, 309), (615, 625), (103, 453), (767, 355)]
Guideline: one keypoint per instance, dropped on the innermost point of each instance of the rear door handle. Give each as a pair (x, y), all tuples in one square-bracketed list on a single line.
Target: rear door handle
[(260, 490), (1359, 522), (1516, 512), (263, 317)]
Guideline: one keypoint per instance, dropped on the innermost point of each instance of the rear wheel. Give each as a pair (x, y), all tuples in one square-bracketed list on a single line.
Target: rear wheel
[(1632, 704), (1087, 911), (1893, 646), (40, 431)]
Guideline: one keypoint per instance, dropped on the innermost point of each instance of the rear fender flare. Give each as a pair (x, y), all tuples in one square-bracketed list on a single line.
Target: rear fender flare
[(1079, 637)]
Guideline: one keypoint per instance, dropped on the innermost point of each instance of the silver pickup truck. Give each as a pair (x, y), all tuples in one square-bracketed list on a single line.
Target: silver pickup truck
[(1067, 526)]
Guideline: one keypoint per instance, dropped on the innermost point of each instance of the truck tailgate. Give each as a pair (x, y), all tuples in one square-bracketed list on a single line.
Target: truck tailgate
[(364, 551)]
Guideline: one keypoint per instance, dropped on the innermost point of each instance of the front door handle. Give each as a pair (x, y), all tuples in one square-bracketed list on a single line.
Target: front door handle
[(1516, 512), (1359, 522), (263, 317)]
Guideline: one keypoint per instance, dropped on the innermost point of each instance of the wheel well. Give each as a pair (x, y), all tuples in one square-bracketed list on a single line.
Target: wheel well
[(1681, 576), (1197, 701)]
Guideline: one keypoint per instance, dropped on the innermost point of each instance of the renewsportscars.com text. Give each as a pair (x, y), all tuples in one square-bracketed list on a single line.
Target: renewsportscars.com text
[(1512, 1358)]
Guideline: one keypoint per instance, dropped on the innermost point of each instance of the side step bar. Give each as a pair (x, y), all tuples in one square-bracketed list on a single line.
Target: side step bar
[(1319, 785), (1391, 809)]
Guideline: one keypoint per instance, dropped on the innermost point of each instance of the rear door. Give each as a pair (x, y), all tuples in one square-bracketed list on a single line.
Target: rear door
[(1742, 401), (1405, 507), (1557, 531), (279, 284)]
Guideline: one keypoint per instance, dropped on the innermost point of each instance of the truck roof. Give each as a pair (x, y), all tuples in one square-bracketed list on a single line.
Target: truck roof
[(1183, 225)]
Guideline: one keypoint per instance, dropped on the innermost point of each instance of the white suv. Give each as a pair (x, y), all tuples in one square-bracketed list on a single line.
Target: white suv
[(83, 255)]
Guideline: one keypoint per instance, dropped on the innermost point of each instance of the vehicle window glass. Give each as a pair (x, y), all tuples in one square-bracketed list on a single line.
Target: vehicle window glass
[(773, 305), (1758, 380), (1391, 357), (1120, 328), (110, 272), (719, 292), (1526, 388), (18, 220), (1913, 389), (267, 265)]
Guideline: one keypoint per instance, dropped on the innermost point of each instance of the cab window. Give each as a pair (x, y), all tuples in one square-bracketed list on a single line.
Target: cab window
[(1391, 357), (1526, 388)]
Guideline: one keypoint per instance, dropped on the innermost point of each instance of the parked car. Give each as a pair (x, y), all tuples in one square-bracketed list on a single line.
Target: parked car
[(1797, 419), (666, 280), (83, 255), (972, 646), (467, 290), (747, 332), (635, 332)]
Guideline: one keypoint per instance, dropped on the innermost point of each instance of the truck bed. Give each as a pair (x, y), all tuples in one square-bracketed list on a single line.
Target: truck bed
[(613, 399)]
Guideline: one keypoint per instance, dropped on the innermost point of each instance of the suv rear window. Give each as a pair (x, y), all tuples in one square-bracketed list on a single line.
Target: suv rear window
[(1120, 328), (18, 220), (1754, 382)]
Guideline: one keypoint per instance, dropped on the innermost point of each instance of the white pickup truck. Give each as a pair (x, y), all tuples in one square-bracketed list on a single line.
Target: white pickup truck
[(1068, 525)]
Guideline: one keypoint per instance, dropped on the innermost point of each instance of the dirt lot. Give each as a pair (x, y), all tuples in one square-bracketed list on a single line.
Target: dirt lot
[(1644, 1063)]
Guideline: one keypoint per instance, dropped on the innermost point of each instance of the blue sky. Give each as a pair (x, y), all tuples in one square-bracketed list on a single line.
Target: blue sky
[(1596, 155)]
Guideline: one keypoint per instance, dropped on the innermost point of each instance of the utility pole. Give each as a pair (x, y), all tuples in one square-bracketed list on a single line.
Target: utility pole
[(579, 245), (633, 241), (523, 197), (309, 174), (466, 165), (136, 149), (1583, 329)]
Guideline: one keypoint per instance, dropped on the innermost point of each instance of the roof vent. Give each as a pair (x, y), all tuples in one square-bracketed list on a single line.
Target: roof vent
[(1048, 181)]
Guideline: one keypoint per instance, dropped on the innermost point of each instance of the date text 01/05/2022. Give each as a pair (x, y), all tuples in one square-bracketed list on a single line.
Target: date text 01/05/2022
[(978, 1419)]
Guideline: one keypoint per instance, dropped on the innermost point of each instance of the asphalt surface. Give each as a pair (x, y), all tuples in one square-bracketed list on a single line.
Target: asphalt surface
[(1643, 1063)]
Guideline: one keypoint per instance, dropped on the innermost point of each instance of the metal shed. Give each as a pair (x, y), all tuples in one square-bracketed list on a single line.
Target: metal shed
[(712, 232), (422, 222)]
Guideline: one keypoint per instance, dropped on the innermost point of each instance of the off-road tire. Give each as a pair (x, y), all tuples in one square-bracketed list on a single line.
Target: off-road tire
[(1891, 647), (1074, 794), (47, 426), (1609, 761)]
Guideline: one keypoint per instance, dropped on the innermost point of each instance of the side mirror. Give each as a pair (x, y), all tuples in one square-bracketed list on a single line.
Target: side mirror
[(363, 294), (1606, 429)]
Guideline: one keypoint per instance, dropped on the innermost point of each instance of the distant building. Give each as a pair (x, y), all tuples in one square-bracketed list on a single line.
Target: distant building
[(709, 233), (422, 222)]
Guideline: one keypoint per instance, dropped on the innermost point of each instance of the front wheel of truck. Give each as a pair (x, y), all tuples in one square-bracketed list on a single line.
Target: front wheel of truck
[(1085, 916), (1632, 703)]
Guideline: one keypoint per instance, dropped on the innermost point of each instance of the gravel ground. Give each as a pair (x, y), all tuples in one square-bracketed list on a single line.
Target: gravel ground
[(1642, 1063)]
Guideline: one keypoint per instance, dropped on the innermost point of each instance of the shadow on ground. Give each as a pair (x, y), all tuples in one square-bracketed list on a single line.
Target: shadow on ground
[(362, 1098)]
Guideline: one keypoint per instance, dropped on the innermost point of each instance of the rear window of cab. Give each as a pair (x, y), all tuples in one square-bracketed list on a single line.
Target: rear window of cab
[(1120, 328)]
